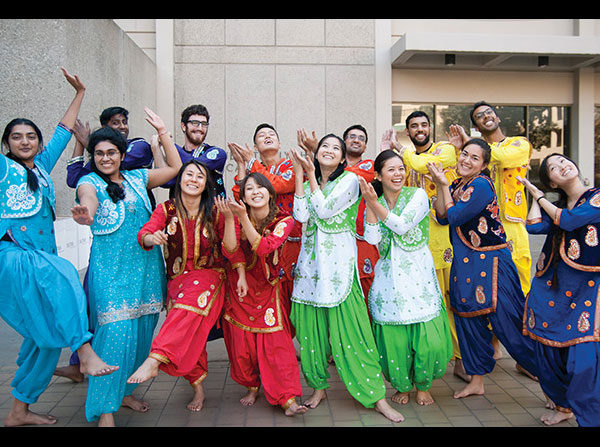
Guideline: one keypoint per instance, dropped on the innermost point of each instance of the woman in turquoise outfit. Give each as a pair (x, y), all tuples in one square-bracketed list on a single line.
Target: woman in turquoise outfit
[(127, 285), (42, 297)]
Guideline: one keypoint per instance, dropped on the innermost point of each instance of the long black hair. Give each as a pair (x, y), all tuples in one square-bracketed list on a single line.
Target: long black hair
[(207, 201), (340, 169), (32, 180), (263, 181), (560, 203), (378, 167), (115, 191)]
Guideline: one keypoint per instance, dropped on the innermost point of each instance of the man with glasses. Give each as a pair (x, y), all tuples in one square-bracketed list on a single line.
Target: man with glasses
[(510, 159), (194, 124), (356, 138)]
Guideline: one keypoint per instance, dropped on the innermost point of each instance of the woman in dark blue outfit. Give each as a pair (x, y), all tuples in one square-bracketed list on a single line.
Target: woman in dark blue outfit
[(484, 283), (562, 311)]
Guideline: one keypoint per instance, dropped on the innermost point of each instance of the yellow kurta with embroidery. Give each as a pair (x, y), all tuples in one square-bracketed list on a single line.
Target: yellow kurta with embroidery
[(510, 158), (416, 175)]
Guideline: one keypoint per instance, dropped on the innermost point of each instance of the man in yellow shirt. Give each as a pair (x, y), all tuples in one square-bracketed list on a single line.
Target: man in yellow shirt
[(418, 129), (510, 159)]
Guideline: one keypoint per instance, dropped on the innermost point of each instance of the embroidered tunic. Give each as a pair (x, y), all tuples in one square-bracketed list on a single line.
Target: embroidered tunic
[(480, 248), (261, 309), (405, 289), (125, 282), (328, 261), (562, 308)]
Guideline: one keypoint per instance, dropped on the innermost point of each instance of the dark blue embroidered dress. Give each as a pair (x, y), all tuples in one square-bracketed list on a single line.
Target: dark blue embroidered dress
[(484, 283), (562, 311)]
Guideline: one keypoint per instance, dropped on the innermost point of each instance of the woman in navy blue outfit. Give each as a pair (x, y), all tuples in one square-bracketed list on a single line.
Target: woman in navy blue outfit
[(562, 312), (484, 283)]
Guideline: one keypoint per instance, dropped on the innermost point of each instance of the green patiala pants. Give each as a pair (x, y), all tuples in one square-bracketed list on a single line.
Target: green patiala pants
[(414, 354), (344, 331)]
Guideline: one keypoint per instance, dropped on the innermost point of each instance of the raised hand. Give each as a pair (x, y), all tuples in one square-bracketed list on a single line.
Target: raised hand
[(457, 135), (306, 142), (367, 190), (437, 174), (155, 121), (73, 80), (223, 207), (534, 190), (81, 215)]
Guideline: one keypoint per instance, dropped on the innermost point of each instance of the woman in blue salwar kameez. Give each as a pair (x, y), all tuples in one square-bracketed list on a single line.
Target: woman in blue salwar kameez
[(126, 284), (562, 311), (484, 283), (42, 297)]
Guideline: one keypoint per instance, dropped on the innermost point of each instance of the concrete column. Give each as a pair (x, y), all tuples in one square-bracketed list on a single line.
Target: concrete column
[(383, 78), (165, 83), (583, 123)]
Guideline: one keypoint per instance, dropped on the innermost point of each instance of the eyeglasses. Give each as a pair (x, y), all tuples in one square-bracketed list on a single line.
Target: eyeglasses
[(195, 123), (356, 137), (487, 112)]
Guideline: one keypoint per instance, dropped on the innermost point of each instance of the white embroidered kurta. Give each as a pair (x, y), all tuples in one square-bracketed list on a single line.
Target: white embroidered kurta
[(327, 262), (405, 289)]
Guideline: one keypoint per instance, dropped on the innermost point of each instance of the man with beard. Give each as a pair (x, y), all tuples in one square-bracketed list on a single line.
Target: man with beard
[(510, 159), (418, 129), (194, 124)]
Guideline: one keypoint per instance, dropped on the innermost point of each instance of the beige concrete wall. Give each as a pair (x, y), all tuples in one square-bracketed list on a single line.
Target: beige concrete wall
[(114, 69), (317, 74)]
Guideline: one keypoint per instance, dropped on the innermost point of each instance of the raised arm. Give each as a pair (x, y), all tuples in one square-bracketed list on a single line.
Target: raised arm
[(73, 110), (160, 176)]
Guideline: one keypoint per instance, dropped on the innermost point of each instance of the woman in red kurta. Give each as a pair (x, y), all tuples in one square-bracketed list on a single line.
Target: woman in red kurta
[(191, 231), (257, 329)]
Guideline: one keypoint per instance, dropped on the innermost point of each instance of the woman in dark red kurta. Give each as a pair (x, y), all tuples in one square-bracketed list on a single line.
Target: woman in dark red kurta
[(257, 328), (191, 231)]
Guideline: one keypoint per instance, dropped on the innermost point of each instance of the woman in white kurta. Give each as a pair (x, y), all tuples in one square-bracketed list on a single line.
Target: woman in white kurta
[(328, 306), (409, 318)]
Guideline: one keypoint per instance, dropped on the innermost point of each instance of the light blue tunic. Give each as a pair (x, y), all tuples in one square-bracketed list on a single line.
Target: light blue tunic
[(127, 288), (41, 297)]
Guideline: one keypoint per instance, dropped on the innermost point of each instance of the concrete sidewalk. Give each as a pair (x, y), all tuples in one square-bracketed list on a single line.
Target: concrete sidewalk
[(511, 399)]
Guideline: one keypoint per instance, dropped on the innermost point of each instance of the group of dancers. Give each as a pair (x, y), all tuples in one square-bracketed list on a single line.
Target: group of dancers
[(387, 268)]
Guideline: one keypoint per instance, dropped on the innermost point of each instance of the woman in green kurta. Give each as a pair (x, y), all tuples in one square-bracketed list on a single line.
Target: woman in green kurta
[(328, 306), (410, 323)]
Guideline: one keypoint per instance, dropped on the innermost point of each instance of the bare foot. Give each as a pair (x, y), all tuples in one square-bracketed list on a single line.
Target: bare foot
[(400, 398), (135, 404), (424, 398), (555, 417), (21, 415), (497, 350), (525, 372), (91, 364), (106, 420), (459, 371), (249, 399), (197, 401), (385, 409), (550, 405), (146, 371), (295, 409), (315, 399), (475, 387), (70, 372)]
